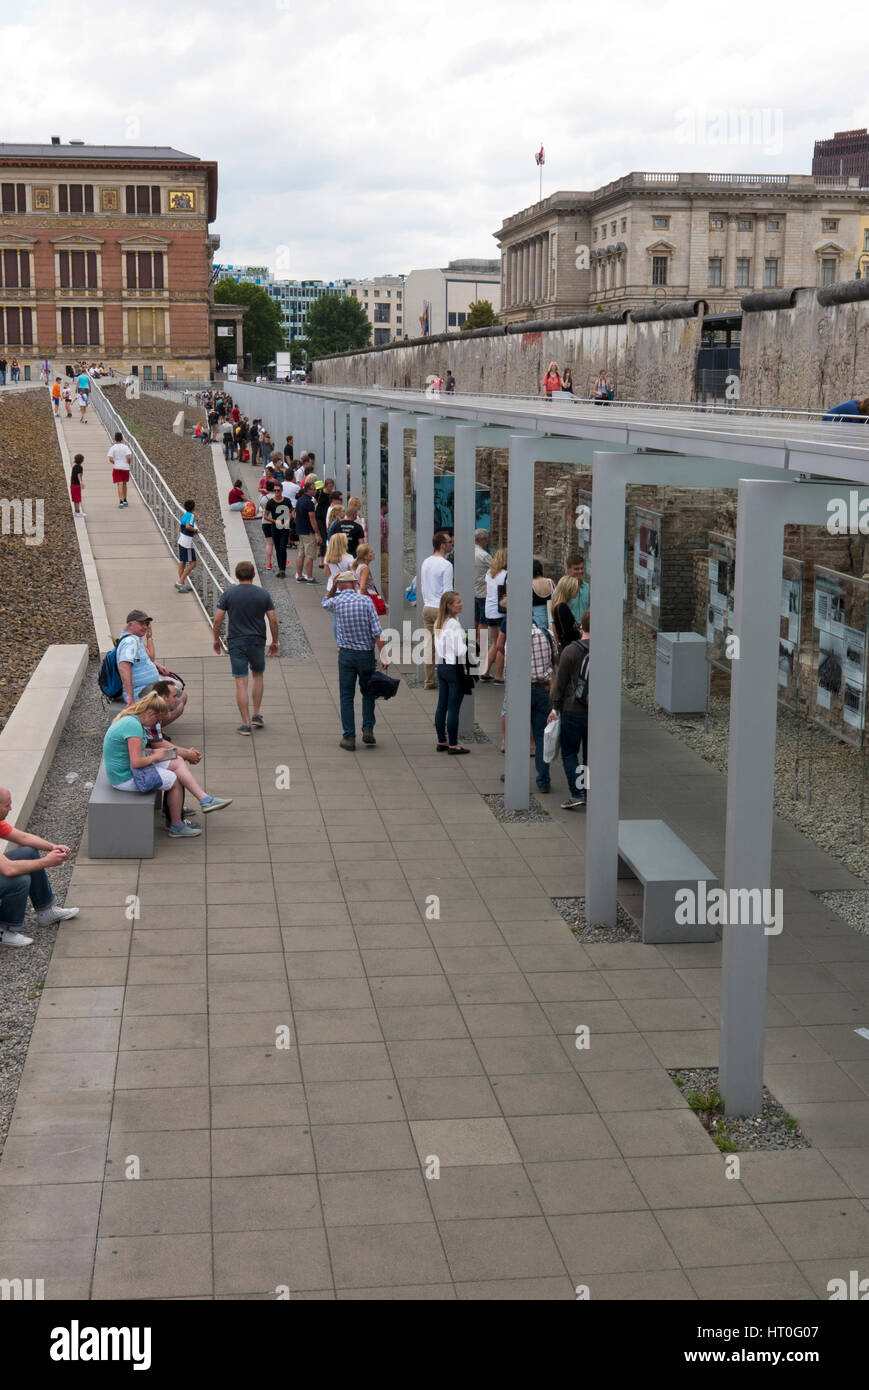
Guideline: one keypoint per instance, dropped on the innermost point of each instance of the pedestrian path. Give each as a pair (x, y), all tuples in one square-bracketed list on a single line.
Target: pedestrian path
[(135, 567), (335, 1051)]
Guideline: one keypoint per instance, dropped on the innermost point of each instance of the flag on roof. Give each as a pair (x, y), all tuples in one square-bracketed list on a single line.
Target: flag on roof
[(540, 157)]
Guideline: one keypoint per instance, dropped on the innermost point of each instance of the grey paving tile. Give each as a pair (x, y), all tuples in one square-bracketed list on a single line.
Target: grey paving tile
[(541, 1138), (186, 1066), (633, 1090), (500, 1248), (323, 965), (504, 1020), (255, 1066), (585, 1185), (611, 1243), (435, 1058), (461, 1142), (172, 969), (359, 1147), (604, 1015), (161, 1153), (407, 1023), (450, 1097), (152, 1266), (402, 991), (688, 1180), (383, 1255), (516, 1290), (345, 1062), (853, 1166), (322, 938), (75, 1034), (839, 1124), (651, 1285), (164, 1107), (157, 1032), (330, 994), (477, 960), (794, 1175), (611, 1052), (547, 1093), (817, 1230), (242, 938), (262, 1151), (819, 1276), (491, 989), (276, 1203), (775, 1282), (248, 1029), (702, 1237), (482, 1191), (337, 1025), (234, 1107), (62, 1112), (41, 1212), (374, 1198), (651, 1133), (262, 1261), (48, 1159), (514, 1056), (75, 1071), (86, 970), (161, 1207), (68, 1264), (349, 1102)]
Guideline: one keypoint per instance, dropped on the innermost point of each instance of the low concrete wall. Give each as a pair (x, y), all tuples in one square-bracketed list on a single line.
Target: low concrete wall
[(33, 730), (807, 357), (102, 628)]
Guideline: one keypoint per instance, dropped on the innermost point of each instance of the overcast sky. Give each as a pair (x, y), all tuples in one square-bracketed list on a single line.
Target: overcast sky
[(371, 138)]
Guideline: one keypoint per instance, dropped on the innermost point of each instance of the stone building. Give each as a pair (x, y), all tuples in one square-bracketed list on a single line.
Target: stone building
[(105, 255), (382, 298), (438, 300), (651, 238)]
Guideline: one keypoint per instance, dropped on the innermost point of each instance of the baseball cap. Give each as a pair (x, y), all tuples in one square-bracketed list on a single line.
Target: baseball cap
[(138, 616)]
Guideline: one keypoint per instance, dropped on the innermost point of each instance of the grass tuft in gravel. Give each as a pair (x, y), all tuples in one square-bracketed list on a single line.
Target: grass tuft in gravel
[(573, 912), (773, 1128)]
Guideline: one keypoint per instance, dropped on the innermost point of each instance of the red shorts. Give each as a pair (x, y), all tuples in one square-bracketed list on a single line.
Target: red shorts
[(75, 491), (120, 475)]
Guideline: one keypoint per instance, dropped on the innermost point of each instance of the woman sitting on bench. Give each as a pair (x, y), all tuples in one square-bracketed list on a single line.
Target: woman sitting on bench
[(130, 769)]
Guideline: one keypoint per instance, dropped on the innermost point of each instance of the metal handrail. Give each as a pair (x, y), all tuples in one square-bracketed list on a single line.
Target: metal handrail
[(210, 577)]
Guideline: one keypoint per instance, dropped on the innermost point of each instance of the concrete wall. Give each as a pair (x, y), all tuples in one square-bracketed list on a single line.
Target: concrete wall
[(652, 361), (805, 358)]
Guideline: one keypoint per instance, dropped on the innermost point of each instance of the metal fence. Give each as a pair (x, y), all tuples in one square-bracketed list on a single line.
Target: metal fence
[(210, 577)]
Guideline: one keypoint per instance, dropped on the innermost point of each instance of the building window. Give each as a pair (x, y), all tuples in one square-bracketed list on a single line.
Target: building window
[(743, 271), (659, 270), (770, 273), (462, 318), (16, 326), (398, 294), (145, 270), (146, 327), (75, 197), (866, 240), (594, 235), (773, 224), (143, 199), (716, 223), (451, 320), (381, 313), (624, 224), (13, 197), (377, 294), (353, 293), (746, 224), (829, 224), (713, 278), (388, 293), (828, 270), (77, 270), (381, 336), (660, 223), (612, 229), (15, 269), (79, 327)]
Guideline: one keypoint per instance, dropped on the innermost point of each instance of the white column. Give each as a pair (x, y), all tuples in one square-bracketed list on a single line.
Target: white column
[(371, 492), (398, 422), (353, 488)]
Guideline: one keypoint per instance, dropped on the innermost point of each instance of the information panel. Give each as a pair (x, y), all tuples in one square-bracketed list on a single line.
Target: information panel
[(790, 625), (841, 603), (647, 567), (719, 610)]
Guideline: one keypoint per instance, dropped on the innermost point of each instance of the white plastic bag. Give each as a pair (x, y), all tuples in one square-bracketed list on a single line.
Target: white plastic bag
[(551, 739)]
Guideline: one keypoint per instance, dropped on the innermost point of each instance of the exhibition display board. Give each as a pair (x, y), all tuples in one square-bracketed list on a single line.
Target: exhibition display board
[(841, 605), (647, 567)]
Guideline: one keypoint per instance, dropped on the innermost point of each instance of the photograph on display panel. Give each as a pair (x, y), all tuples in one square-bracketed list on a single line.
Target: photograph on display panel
[(840, 610), (790, 625), (719, 610), (647, 566)]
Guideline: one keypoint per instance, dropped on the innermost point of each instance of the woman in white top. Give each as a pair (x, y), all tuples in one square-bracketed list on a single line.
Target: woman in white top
[(337, 559), (496, 577), (451, 648)]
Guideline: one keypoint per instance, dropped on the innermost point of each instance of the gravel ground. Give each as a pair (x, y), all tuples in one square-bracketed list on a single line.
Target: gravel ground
[(184, 462), (293, 639), (853, 906), (534, 815), (43, 595), (59, 815), (573, 912), (831, 820), (773, 1128)]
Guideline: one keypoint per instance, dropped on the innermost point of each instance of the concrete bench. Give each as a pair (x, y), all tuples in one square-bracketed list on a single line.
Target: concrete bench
[(650, 851), (120, 824)]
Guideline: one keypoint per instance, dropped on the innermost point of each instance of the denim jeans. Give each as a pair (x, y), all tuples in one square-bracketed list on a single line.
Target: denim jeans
[(2, 376), (14, 891), (574, 736), (353, 666), (539, 716), (450, 697)]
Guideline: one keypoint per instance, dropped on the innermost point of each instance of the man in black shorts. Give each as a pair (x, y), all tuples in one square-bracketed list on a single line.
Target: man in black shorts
[(247, 605)]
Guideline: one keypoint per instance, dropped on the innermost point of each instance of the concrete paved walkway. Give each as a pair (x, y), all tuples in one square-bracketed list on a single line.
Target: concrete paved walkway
[(378, 918)]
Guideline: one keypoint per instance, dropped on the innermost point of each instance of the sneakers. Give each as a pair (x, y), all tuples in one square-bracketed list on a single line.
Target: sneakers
[(268, 567), (258, 722), (349, 744), (310, 581), (8, 937), (79, 513), (243, 729), (49, 915), (184, 588), (573, 805), (184, 831), (368, 736), (299, 579), (214, 803)]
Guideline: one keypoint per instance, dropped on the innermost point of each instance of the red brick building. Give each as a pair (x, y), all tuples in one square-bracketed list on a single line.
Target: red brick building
[(105, 255)]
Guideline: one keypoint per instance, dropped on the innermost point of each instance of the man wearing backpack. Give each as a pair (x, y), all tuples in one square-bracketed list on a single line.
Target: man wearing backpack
[(570, 700), (137, 667)]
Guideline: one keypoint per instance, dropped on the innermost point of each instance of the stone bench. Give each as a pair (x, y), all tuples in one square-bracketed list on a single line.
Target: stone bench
[(120, 824), (651, 852)]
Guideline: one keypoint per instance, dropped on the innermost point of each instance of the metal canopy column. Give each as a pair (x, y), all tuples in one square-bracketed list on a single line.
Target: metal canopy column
[(370, 494), (398, 422), (327, 462), (428, 428), (353, 487)]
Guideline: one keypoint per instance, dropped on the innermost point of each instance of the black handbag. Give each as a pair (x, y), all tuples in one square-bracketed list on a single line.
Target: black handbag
[(466, 676)]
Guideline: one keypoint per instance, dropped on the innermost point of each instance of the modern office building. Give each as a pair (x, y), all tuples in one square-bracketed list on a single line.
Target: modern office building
[(846, 155), (438, 300), (294, 297), (105, 254), (382, 298), (648, 238)]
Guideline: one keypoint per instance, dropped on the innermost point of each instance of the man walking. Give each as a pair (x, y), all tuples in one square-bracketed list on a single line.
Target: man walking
[(575, 568), (570, 700), (308, 532), (482, 561), (435, 578), (119, 457), (358, 633), (247, 605)]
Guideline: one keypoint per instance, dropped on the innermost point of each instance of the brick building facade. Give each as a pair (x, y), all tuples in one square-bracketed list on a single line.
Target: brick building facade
[(105, 255)]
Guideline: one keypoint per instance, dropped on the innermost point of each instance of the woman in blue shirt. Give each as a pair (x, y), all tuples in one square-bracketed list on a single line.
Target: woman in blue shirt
[(848, 409)]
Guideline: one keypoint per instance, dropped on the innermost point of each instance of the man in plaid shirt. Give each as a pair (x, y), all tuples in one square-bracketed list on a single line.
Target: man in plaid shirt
[(542, 650), (359, 633)]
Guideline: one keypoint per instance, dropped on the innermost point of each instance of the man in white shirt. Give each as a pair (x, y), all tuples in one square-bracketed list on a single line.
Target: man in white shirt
[(435, 577), (119, 457)]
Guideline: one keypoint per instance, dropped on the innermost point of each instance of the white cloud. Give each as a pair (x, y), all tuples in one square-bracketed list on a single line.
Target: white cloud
[(375, 137)]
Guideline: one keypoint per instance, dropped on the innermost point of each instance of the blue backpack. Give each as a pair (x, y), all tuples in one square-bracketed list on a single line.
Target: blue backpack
[(109, 678)]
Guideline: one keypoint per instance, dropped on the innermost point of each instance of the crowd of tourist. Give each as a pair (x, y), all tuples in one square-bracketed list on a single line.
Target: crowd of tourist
[(602, 392)]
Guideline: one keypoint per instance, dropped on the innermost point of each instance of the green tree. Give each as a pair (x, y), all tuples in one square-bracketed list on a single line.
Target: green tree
[(480, 315), (336, 325), (262, 328)]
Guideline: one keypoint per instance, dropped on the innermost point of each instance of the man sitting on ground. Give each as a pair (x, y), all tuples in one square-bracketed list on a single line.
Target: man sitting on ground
[(22, 875)]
